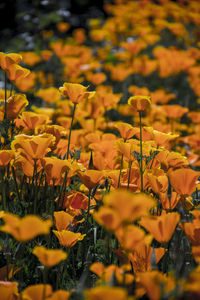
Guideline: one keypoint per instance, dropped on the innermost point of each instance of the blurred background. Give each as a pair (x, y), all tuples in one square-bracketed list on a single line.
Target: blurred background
[(21, 21)]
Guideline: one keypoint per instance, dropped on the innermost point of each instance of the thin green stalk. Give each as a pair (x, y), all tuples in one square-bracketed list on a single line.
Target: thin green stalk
[(129, 173), (70, 131), (88, 210), (141, 153), (45, 276), (5, 101), (62, 189), (16, 185), (34, 187), (3, 189), (120, 171)]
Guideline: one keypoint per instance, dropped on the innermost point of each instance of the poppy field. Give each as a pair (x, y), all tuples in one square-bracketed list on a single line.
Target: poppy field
[(100, 158)]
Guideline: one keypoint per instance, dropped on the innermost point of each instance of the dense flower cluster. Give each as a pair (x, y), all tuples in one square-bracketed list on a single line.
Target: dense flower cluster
[(99, 183)]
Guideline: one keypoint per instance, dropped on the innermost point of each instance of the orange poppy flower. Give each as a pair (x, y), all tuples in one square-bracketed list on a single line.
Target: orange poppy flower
[(55, 169), (132, 237), (62, 26), (6, 156), (33, 292), (130, 206), (30, 58), (106, 273), (33, 146), (26, 228), (27, 83), (140, 103), (15, 105), (29, 120), (75, 92), (161, 227), (183, 180), (107, 217), (68, 238), (8, 59), (126, 130), (26, 164), (50, 95), (192, 231), (158, 180), (9, 290), (174, 111), (141, 257), (156, 284), (91, 178), (62, 220), (107, 293), (49, 257), (60, 295), (16, 72)]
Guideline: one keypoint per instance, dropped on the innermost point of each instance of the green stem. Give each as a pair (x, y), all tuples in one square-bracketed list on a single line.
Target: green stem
[(141, 153), (70, 131), (5, 101), (16, 185), (45, 275), (88, 210), (120, 171), (63, 187), (34, 187), (129, 173), (3, 189)]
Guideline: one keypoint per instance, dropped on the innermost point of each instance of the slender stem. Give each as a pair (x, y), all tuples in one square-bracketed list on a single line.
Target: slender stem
[(16, 185), (70, 131), (129, 173), (61, 195), (2, 171), (45, 275), (5, 86), (34, 182), (120, 171), (88, 210), (141, 153)]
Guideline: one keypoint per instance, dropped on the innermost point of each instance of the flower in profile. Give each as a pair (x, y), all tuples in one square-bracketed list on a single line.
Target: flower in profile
[(126, 130), (68, 238), (131, 237), (156, 284), (49, 257), (9, 290), (33, 146), (6, 156), (62, 220), (15, 105), (107, 217), (75, 92), (91, 178), (16, 72), (29, 120), (184, 180), (26, 228), (140, 103), (130, 206), (38, 291), (161, 227), (8, 59), (55, 168)]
